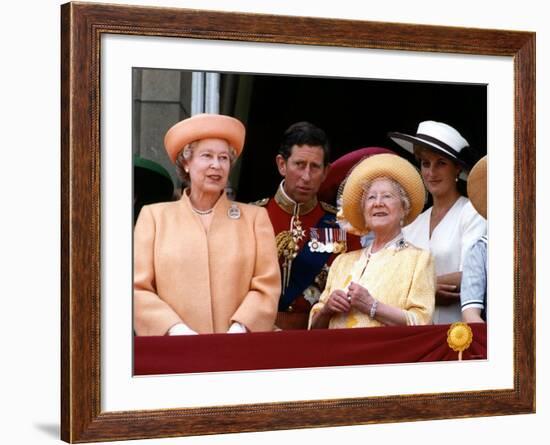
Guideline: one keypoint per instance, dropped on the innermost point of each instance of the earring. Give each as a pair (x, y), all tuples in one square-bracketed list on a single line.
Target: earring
[(456, 179), (186, 170)]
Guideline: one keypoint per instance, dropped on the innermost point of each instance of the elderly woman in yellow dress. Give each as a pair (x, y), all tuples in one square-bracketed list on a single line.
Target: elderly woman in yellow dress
[(204, 264), (391, 282)]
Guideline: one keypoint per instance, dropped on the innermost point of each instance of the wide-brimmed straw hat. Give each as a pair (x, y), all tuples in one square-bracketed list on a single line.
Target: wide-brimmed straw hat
[(341, 167), (378, 166), (477, 186), (436, 136), (204, 126)]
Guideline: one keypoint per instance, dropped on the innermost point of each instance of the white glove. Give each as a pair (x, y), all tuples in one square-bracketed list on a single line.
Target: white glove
[(237, 328), (181, 329)]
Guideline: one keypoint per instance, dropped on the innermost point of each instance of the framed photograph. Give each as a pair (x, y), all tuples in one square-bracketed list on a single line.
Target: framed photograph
[(104, 46)]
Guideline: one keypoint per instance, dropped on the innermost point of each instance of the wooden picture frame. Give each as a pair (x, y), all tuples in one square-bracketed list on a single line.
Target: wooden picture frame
[(82, 26)]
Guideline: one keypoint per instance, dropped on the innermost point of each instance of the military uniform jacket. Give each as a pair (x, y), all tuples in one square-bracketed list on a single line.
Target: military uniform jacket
[(282, 210)]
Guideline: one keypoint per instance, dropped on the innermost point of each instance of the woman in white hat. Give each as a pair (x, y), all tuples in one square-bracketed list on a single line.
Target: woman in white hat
[(204, 264), (391, 282), (451, 225)]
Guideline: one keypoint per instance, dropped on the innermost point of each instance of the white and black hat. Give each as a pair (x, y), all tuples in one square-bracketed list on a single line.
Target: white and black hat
[(435, 136)]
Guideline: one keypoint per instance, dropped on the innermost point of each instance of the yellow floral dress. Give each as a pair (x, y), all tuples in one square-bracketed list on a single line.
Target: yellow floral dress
[(400, 275)]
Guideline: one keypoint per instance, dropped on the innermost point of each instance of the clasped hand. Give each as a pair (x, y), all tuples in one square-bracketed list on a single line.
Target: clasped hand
[(340, 301)]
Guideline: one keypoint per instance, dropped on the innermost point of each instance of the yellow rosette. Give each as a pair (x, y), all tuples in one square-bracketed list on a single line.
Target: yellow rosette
[(459, 337)]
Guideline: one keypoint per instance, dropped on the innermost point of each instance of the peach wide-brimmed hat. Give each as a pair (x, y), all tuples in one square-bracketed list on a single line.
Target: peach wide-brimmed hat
[(204, 126), (477, 186), (378, 166)]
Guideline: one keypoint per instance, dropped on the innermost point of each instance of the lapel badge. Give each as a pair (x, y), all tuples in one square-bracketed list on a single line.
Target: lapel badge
[(234, 212)]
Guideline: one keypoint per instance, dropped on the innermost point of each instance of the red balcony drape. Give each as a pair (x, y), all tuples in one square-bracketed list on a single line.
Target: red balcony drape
[(300, 349)]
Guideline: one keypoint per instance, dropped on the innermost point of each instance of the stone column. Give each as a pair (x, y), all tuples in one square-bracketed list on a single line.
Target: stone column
[(160, 99)]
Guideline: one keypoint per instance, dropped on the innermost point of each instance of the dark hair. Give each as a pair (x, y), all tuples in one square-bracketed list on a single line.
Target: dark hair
[(304, 133)]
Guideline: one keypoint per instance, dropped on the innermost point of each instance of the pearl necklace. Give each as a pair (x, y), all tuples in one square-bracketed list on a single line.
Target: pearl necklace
[(202, 212), (399, 244)]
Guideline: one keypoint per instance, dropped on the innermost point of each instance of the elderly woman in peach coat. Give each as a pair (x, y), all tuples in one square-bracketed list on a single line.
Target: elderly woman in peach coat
[(204, 264)]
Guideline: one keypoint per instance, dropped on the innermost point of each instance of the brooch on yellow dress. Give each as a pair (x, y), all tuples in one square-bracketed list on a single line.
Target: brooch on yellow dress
[(401, 244)]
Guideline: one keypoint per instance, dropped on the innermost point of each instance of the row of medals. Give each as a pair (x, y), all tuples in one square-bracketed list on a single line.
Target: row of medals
[(327, 240)]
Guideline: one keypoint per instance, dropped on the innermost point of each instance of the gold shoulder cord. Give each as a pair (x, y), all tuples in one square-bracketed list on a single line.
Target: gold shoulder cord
[(287, 247), (260, 202)]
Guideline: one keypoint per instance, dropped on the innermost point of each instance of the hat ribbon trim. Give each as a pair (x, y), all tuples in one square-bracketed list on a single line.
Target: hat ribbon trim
[(438, 142)]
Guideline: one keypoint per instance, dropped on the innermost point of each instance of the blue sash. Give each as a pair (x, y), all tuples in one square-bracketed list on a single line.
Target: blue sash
[(305, 267)]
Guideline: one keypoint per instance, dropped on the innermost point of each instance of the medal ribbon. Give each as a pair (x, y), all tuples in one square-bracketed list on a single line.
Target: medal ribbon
[(305, 267)]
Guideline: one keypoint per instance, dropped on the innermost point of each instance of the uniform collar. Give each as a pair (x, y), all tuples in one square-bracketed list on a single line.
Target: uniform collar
[(292, 207)]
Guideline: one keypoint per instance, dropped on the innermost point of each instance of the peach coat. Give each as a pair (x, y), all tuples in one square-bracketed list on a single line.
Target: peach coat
[(206, 280)]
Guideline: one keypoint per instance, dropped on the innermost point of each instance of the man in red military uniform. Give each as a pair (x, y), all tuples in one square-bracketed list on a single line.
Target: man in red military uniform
[(308, 235)]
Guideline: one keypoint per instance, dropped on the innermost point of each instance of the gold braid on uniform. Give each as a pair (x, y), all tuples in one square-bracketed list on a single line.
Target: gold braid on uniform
[(329, 208), (285, 244), (260, 202), (288, 246)]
